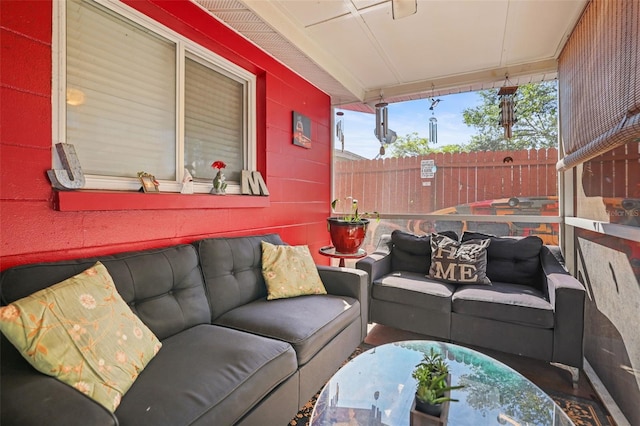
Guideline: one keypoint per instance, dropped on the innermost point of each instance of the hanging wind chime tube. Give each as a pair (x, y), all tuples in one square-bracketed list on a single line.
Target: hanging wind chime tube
[(382, 116), (433, 122), (433, 130), (340, 129), (506, 96)]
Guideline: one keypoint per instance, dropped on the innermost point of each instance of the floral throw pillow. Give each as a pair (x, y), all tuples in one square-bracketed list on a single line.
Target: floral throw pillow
[(81, 332), (289, 271), (459, 262)]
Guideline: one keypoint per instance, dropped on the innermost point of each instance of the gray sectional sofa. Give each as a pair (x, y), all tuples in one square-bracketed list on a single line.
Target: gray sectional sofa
[(533, 306), (228, 355)]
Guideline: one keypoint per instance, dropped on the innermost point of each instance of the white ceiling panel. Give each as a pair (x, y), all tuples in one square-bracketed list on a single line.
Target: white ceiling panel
[(354, 49)]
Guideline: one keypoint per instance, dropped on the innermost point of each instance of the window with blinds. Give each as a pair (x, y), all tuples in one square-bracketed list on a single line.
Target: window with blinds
[(142, 98), (213, 111)]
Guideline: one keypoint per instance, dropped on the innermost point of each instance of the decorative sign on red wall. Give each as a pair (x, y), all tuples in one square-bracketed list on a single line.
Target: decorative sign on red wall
[(301, 130)]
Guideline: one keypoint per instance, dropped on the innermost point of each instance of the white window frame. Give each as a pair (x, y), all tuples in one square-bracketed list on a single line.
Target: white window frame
[(184, 47)]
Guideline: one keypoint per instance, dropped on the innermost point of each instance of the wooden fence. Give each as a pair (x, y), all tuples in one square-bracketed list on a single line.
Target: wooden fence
[(400, 186)]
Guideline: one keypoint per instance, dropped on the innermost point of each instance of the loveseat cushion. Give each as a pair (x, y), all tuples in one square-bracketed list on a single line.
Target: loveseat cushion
[(163, 287), (232, 270), (209, 374), (412, 253), (505, 302), (414, 289), (512, 259), (308, 323)]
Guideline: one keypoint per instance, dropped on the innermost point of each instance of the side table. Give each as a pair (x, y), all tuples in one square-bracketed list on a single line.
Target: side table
[(330, 251)]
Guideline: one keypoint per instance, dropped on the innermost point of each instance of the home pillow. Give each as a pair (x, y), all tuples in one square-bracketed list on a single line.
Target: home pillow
[(289, 271), (459, 262), (81, 332), (514, 260), (412, 253)]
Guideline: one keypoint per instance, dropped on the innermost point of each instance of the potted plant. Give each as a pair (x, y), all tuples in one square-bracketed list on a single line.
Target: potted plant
[(349, 229), (432, 389)]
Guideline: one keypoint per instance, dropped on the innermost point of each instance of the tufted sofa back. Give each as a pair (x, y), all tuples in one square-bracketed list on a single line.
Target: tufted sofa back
[(163, 287), (232, 269), (412, 253)]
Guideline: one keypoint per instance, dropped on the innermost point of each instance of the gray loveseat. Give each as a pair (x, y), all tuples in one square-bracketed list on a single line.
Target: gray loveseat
[(228, 355), (533, 306)]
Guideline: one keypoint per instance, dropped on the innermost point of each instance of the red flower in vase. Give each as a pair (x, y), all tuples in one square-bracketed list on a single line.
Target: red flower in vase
[(218, 165)]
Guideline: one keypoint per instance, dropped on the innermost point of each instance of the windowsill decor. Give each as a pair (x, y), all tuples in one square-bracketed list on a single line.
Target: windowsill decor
[(219, 184), (149, 182)]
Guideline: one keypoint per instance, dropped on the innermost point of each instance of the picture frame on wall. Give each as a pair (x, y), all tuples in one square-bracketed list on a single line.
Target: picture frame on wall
[(301, 130)]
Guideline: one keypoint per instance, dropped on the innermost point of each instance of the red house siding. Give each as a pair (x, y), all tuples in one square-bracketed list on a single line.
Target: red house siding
[(299, 180)]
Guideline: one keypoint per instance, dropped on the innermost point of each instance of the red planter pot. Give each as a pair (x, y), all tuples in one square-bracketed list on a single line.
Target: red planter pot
[(347, 237)]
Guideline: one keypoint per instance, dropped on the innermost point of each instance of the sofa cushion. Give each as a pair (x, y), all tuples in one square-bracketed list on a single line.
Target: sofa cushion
[(505, 302), (308, 323), (289, 271), (207, 373), (512, 259), (459, 262), (164, 286), (232, 269), (414, 289), (412, 253), (81, 332)]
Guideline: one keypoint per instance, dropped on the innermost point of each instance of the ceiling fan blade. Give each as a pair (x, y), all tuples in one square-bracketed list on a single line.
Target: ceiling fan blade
[(403, 8)]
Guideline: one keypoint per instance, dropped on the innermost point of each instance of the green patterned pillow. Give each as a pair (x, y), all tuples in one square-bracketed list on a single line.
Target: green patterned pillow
[(82, 332), (289, 271)]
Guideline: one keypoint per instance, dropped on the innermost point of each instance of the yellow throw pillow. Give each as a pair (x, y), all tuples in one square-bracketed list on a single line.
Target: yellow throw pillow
[(289, 271), (82, 332)]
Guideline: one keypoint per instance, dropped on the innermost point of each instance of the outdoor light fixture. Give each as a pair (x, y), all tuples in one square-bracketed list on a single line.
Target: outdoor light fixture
[(403, 8), (506, 96)]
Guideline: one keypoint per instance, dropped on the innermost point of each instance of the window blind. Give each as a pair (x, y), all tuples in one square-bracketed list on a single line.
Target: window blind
[(214, 121), (121, 94), (599, 86)]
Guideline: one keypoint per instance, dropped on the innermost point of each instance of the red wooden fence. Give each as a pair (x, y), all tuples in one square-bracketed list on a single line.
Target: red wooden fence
[(395, 185)]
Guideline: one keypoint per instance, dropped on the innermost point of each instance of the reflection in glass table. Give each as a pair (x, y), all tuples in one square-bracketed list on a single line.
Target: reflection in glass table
[(376, 389)]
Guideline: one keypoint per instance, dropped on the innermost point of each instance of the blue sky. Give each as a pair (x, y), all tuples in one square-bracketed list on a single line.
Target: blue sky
[(409, 117)]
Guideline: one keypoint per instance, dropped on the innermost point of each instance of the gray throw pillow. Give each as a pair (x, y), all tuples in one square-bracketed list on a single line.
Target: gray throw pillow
[(459, 262)]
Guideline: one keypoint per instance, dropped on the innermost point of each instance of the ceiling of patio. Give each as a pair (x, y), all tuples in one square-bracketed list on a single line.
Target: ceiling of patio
[(357, 53)]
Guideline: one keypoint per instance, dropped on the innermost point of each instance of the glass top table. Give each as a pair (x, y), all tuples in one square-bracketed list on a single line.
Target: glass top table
[(376, 388)]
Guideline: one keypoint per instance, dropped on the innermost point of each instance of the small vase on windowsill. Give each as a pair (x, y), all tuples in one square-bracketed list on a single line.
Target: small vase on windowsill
[(219, 185)]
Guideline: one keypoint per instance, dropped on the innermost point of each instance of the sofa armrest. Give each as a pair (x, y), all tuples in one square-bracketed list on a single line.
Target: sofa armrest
[(567, 296), (348, 282), (378, 263), (28, 397)]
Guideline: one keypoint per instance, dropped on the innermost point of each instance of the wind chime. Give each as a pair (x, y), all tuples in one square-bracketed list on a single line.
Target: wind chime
[(382, 131), (507, 99), (433, 122), (340, 128)]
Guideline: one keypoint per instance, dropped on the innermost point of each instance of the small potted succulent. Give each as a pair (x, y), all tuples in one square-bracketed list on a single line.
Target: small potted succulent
[(433, 386), (349, 229)]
